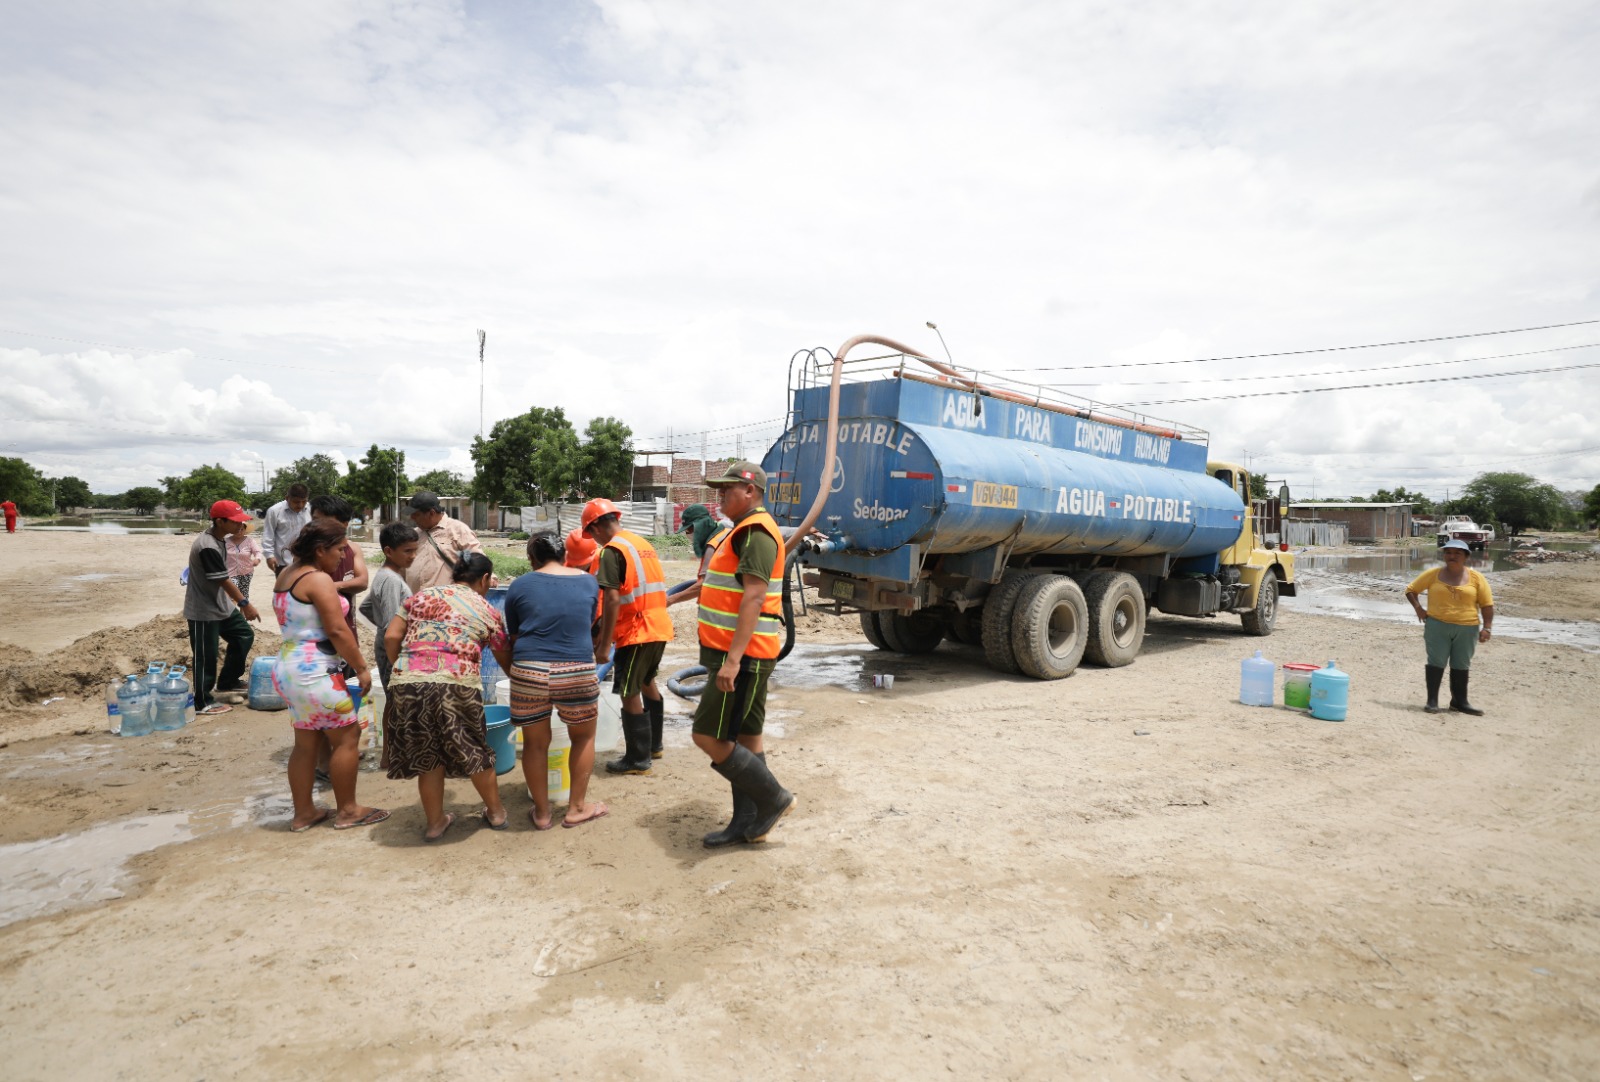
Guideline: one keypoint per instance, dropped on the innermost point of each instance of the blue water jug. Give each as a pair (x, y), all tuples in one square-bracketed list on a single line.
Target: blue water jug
[(188, 698), (1257, 677), (263, 696), (172, 701), (134, 705), (1330, 693)]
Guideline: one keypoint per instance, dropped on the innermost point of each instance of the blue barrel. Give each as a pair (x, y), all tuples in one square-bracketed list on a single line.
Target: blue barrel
[(926, 464), (1330, 693), (498, 721), (263, 695)]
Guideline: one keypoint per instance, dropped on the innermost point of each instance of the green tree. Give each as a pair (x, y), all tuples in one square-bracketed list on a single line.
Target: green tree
[(527, 459), (172, 491), (1591, 506), (1515, 499), (376, 479), (320, 473), (605, 465), (442, 482), (1258, 486), (24, 486), (206, 485), (142, 500), (72, 492), (109, 501), (1420, 504)]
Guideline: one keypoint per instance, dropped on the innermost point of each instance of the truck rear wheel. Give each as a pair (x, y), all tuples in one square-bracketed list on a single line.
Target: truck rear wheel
[(965, 627), (1050, 627), (1261, 619), (998, 609), (869, 628), (919, 633), (1116, 618)]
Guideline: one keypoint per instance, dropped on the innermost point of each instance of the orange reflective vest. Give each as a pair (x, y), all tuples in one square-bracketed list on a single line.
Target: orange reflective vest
[(642, 615), (720, 594)]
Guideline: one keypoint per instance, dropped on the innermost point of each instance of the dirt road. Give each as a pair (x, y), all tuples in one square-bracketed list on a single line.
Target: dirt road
[(1125, 874)]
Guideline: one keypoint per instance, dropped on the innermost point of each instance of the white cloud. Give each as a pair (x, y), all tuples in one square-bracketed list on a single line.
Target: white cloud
[(651, 206)]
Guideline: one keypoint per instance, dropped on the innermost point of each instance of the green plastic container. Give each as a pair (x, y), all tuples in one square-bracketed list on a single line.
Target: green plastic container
[(1297, 685)]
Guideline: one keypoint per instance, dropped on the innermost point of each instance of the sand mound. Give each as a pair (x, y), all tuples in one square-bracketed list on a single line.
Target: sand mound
[(88, 666)]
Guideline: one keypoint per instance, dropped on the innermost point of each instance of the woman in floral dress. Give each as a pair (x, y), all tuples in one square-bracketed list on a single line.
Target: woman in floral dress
[(433, 725), (309, 677)]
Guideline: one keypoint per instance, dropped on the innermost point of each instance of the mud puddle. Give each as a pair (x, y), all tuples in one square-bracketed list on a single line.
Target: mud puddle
[(74, 870)]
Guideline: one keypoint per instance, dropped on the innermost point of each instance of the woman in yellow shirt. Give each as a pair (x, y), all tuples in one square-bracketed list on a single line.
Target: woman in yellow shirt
[(1451, 632)]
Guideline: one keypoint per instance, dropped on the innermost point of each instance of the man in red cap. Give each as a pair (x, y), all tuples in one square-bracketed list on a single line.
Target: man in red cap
[(212, 605)]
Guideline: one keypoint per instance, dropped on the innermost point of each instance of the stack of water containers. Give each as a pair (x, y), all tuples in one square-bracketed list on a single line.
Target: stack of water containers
[(490, 668), (161, 701)]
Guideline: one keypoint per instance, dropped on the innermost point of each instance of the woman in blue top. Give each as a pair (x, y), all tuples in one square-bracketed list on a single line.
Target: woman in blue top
[(548, 615)]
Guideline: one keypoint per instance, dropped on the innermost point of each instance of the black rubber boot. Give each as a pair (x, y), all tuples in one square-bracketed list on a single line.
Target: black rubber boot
[(750, 776), (636, 741), (1458, 694), (658, 715), (744, 813), (1435, 678)]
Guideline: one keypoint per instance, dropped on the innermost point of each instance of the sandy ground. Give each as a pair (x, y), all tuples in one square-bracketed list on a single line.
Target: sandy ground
[(1122, 875)]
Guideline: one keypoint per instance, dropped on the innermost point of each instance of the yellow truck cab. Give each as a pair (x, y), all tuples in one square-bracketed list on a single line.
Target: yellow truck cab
[(1264, 574)]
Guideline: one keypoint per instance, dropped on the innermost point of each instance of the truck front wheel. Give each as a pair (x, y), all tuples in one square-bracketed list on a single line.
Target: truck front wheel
[(1116, 618), (1050, 627), (1260, 620)]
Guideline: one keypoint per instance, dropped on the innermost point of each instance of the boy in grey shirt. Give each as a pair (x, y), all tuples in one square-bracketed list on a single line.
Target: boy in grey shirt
[(387, 591), (211, 604)]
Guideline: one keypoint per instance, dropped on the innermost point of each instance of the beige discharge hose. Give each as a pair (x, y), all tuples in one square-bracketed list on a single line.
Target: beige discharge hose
[(830, 459)]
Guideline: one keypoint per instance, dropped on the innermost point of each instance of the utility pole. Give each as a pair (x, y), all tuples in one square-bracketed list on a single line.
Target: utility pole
[(483, 336)]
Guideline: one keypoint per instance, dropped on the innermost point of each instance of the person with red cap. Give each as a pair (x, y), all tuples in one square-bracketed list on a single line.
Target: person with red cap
[(217, 610), (634, 615)]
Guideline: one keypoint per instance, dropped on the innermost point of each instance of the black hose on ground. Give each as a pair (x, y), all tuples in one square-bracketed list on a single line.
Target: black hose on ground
[(675, 682)]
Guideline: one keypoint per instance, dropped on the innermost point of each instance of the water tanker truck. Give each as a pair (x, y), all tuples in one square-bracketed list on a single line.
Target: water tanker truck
[(936, 503)]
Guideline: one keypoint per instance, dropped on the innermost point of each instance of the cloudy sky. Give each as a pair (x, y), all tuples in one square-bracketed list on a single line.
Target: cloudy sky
[(247, 232)]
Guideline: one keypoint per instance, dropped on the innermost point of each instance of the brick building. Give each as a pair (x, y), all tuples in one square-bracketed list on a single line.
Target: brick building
[(1365, 521)]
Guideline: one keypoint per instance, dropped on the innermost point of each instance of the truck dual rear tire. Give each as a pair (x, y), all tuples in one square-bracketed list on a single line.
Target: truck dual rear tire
[(998, 609), (1050, 627), (919, 633), (1116, 607), (1261, 619), (869, 628)]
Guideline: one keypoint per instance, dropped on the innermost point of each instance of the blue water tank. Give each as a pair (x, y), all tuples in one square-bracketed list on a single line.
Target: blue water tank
[(489, 668), (923, 463)]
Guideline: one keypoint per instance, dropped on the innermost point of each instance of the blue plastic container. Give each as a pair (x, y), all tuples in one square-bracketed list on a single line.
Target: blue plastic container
[(263, 696), (135, 706), (172, 701), (1330, 693), (1257, 678), (488, 668), (498, 720)]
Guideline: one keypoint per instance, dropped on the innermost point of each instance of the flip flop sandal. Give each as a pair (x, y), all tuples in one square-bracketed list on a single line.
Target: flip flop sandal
[(535, 822), (501, 825), (449, 821), (601, 814), (215, 708), (376, 815), (323, 818)]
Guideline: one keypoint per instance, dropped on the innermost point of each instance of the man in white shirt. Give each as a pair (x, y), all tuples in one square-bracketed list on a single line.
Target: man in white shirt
[(282, 524)]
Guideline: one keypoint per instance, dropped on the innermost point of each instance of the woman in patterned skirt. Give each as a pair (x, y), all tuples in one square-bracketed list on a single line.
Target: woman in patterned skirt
[(433, 725)]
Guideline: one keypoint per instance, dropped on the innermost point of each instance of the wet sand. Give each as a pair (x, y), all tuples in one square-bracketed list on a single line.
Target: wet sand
[(1125, 874)]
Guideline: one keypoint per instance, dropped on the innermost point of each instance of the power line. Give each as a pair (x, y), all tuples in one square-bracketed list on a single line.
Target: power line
[(1301, 352), (1365, 386), (1334, 372)]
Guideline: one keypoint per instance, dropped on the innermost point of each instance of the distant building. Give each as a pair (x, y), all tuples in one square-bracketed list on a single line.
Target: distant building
[(1364, 521)]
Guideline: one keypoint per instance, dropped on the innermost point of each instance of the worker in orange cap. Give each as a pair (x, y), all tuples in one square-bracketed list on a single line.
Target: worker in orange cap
[(633, 615), (580, 550)]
